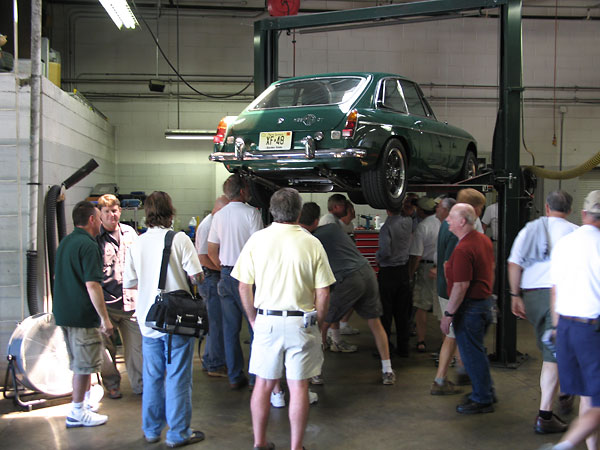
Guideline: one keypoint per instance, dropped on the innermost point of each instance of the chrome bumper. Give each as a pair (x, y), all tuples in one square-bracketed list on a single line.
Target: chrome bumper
[(289, 155)]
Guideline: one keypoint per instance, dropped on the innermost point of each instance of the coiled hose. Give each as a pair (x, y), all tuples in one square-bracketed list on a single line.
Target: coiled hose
[(566, 174)]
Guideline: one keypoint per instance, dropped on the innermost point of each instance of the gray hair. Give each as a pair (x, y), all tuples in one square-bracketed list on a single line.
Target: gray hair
[(559, 201), (286, 205), (448, 203), (336, 200), (233, 186)]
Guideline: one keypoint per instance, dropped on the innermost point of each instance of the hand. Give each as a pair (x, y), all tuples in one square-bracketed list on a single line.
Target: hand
[(445, 324), (518, 307), (106, 327)]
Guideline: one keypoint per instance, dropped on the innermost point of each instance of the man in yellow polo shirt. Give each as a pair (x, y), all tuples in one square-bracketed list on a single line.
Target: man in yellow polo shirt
[(290, 270)]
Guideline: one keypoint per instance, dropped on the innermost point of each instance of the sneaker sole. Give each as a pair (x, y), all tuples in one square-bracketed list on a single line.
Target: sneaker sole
[(79, 425)]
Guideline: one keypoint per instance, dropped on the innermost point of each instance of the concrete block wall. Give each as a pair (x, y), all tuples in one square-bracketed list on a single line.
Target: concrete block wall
[(71, 134)]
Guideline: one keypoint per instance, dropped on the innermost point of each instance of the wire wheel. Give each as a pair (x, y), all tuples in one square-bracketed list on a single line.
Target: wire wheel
[(395, 173), (384, 186)]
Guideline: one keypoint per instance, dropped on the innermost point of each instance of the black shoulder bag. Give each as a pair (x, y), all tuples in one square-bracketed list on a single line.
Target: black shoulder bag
[(176, 312)]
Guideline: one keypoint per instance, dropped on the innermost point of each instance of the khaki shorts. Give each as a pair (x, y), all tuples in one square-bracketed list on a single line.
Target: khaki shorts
[(425, 292), (84, 346), (280, 341)]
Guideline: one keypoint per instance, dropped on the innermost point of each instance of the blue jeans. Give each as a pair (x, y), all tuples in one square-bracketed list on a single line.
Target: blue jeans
[(233, 311), (470, 324), (167, 397), (214, 351)]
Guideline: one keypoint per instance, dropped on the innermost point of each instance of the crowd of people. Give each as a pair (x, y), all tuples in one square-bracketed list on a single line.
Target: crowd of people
[(297, 282)]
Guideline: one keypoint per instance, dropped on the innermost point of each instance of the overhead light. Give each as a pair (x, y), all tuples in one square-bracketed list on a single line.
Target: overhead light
[(120, 13), (190, 134)]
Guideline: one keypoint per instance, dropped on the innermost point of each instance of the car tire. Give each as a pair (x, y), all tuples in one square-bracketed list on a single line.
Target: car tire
[(385, 186), (357, 197), (469, 169), (260, 195)]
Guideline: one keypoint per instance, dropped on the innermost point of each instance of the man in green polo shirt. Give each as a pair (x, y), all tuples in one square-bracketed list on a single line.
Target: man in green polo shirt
[(78, 307)]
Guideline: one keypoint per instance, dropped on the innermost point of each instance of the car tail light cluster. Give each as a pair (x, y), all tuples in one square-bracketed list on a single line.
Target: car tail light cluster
[(221, 130), (351, 122)]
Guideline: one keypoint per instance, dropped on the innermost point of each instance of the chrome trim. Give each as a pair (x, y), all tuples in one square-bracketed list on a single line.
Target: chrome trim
[(299, 155), (309, 147)]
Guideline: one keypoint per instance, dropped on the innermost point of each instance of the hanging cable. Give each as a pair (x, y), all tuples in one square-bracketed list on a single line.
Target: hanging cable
[(554, 86), (139, 14)]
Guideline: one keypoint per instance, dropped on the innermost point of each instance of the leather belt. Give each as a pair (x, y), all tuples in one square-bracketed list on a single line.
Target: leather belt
[(226, 267), (272, 312), (427, 261), (207, 270), (580, 319)]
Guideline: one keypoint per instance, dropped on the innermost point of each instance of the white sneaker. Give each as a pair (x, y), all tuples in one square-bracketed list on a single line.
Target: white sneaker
[(85, 418), (93, 397), (312, 397), (342, 347), (278, 399), (389, 378), (349, 330)]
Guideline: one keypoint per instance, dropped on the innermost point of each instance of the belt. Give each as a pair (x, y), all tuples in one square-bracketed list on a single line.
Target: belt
[(580, 319), (207, 270), (272, 312), (427, 261), (226, 267), (536, 289)]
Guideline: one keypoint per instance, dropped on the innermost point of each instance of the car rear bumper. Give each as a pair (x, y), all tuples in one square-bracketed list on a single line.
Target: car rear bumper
[(289, 155)]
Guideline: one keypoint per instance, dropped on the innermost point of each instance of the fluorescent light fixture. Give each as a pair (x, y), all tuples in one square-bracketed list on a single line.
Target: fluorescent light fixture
[(190, 134), (120, 13)]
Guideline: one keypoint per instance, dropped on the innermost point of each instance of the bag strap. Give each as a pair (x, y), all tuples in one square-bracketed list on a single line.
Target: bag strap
[(165, 260)]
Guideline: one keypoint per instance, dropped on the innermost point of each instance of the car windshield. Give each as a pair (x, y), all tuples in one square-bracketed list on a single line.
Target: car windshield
[(309, 92)]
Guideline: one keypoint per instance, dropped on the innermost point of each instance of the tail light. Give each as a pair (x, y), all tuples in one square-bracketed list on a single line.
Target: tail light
[(221, 130), (351, 122)]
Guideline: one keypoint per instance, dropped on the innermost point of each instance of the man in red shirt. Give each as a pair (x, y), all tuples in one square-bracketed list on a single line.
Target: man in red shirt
[(470, 275)]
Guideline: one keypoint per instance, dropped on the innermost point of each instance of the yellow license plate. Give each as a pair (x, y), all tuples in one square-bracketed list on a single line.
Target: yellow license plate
[(275, 140)]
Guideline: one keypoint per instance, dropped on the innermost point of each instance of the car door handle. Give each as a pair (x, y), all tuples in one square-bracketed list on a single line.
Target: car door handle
[(419, 123)]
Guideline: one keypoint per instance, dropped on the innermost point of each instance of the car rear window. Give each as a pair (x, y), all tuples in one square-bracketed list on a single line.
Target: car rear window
[(309, 92)]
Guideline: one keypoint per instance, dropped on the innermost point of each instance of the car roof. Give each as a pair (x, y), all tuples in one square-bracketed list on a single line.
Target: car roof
[(375, 75)]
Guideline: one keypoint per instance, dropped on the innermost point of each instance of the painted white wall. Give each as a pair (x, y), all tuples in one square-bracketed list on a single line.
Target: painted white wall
[(458, 52)]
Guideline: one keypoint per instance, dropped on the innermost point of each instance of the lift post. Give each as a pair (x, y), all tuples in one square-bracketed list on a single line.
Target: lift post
[(507, 135)]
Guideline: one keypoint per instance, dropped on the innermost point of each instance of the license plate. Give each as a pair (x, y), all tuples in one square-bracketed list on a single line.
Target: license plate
[(275, 140)]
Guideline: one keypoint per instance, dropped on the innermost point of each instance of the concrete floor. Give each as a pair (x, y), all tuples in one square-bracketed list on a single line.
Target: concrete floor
[(355, 411)]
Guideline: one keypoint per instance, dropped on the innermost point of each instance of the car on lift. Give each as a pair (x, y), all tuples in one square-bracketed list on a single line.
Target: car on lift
[(367, 134)]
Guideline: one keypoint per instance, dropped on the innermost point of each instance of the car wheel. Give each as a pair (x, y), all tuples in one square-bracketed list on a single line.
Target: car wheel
[(469, 169), (260, 195), (385, 185)]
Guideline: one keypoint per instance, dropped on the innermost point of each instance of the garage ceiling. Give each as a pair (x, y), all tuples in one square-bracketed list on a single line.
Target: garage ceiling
[(567, 9)]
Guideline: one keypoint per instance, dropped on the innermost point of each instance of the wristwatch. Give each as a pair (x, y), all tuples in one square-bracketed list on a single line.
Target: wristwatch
[(447, 314)]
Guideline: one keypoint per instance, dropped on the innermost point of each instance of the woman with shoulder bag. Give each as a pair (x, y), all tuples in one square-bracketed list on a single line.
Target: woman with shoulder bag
[(167, 397)]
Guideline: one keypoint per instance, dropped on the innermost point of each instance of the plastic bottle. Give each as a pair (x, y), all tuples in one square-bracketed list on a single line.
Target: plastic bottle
[(377, 222)]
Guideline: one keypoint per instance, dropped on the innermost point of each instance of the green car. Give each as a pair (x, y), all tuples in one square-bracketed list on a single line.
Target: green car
[(367, 134)]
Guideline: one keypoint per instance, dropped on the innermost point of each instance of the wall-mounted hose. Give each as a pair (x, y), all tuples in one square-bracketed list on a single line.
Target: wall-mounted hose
[(32, 297), (566, 174), (51, 222)]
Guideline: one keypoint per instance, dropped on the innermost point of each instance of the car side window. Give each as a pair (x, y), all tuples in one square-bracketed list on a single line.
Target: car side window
[(413, 99), (392, 96)]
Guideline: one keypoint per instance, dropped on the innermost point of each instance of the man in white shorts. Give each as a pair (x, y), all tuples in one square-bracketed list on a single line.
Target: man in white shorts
[(291, 273)]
